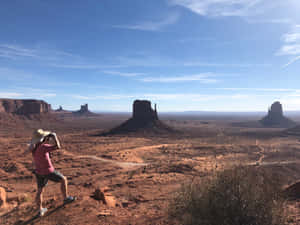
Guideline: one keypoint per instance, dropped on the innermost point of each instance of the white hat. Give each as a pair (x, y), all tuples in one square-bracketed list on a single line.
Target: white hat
[(38, 136)]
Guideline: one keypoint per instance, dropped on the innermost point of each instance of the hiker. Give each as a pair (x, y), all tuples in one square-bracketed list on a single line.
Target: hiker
[(40, 148)]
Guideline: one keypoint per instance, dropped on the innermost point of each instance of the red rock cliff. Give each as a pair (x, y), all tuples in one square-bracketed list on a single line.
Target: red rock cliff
[(24, 107)]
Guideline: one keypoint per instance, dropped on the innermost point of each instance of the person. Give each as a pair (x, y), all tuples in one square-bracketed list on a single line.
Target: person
[(40, 148)]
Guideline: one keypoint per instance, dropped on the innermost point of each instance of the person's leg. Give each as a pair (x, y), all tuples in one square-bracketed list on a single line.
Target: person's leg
[(41, 183), (64, 187), (58, 177), (39, 198)]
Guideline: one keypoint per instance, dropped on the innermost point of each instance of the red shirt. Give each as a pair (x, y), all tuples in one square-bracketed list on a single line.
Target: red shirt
[(42, 162)]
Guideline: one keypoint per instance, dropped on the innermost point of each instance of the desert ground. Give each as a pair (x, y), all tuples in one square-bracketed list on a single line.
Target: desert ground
[(137, 172)]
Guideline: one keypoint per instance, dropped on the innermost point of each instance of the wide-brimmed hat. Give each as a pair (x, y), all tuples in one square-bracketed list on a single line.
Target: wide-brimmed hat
[(38, 136)]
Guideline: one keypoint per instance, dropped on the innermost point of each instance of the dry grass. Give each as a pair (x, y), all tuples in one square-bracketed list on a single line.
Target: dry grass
[(240, 195)]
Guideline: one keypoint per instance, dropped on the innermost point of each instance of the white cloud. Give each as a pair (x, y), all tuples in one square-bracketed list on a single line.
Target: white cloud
[(103, 97), (238, 65), (10, 95), (260, 89), (14, 51), (292, 61), (122, 74), (271, 21), (161, 96), (292, 37), (218, 8), (27, 93), (47, 57), (291, 46), (152, 25), (14, 74), (202, 78)]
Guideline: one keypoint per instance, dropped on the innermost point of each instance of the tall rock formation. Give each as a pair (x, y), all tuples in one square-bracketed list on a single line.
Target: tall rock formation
[(24, 107), (275, 117), (142, 111), (144, 119), (84, 111)]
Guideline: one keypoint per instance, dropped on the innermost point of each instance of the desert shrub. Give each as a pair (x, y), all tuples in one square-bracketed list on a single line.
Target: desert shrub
[(236, 196)]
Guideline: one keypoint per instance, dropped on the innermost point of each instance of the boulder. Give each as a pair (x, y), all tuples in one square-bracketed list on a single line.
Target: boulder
[(104, 196), (99, 195)]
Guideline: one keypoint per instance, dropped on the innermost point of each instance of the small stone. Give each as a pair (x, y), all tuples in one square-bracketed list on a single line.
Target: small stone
[(99, 195), (2, 198)]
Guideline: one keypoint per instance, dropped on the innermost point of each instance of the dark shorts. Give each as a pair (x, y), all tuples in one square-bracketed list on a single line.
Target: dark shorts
[(42, 180)]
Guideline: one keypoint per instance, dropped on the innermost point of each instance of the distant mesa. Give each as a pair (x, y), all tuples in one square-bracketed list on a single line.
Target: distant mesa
[(144, 119), (84, 111), (60, 109), (275, 117), (24, 107)]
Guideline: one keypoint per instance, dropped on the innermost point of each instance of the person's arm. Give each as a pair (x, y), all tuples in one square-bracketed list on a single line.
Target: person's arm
[(56, 140), (50, 148)]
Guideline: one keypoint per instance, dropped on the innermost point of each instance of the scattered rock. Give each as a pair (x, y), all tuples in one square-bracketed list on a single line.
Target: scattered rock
[(275, 117), (99, 195), (111, 201), (104, 196), (2, 198), (87, 184), (104, 214), (125, 204)]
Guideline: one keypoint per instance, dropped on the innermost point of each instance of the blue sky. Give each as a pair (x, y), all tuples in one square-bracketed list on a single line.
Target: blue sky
[(215, 55)]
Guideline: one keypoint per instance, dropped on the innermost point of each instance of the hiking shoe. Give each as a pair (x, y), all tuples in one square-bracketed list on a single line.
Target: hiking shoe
[(69, 199), (42, 211)]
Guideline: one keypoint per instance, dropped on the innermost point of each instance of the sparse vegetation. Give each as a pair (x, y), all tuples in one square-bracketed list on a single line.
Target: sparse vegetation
[(236, 196)]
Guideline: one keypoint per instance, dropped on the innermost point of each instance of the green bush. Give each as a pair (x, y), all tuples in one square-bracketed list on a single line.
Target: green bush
[(237, 196)]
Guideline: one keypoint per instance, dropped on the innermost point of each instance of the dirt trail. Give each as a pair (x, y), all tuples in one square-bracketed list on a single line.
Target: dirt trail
[(119, 163), (260, 162), (273, 163)]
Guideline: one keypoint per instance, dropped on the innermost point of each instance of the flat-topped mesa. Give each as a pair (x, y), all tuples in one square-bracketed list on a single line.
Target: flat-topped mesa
[(24, 107), (275, 117), (143, 111)]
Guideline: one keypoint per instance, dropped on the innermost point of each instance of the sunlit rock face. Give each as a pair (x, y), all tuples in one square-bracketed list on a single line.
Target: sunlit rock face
[(24, 107)]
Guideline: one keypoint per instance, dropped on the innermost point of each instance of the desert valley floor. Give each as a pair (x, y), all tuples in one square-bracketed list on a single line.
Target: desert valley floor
[(138, 172)]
